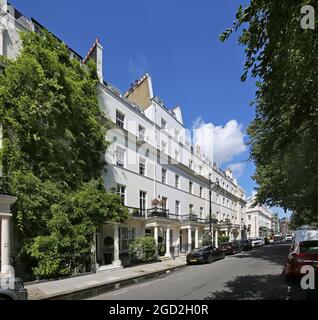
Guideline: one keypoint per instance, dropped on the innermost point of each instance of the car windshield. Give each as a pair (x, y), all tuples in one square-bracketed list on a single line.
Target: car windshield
[(309, 247), (206, 248)]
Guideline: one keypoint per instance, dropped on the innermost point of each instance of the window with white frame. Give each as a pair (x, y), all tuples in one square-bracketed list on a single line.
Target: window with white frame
[(121, 191), (142, 200), (190, 163), (201, 212), (164, 146), (126, 236), (201, 192), (120, 156), (190, 208), (164, 175), (163, 123), (177, 182), (141, 133), (177, 155), (190, 187), (177, 134), (142, 166), (177, 211), (120, 119)]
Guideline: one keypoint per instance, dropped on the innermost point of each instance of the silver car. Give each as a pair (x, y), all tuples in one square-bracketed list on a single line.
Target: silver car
[(15, 292)]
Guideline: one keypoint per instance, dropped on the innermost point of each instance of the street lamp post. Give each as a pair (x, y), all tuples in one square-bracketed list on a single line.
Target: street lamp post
[(212, 184)]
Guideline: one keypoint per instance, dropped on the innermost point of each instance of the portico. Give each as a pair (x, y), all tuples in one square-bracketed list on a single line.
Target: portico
[(5, 220)]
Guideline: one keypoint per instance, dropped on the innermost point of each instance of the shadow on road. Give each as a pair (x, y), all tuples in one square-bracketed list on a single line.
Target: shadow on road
[(276, 253), (253, 287)]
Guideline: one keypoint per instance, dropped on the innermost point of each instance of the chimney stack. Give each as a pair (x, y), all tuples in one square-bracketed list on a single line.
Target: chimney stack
[(4, 5)]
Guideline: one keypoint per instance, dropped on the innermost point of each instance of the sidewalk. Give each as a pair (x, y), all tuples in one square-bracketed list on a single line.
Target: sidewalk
[(97, 283)]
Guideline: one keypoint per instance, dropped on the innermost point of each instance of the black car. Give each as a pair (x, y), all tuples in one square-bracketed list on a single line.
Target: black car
[(245, 245), (206, 254), (230, 247), (16, 291)]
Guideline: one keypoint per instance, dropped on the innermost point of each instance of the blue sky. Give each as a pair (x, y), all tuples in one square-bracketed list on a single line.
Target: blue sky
[(176, 41)]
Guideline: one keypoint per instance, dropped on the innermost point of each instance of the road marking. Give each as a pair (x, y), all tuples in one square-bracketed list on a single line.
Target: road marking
[(121, 292), (144, 285)]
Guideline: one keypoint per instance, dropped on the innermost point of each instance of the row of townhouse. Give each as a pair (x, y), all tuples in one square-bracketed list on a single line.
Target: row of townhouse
[(260, 220), (172, 190)]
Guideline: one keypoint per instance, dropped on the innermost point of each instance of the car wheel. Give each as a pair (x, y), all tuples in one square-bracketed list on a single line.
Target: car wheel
[(210, 259)]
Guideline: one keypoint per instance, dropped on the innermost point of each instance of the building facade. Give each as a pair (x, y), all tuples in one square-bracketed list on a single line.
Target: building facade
[(259, 220), (285, 226), (276, 224), (172, 190)]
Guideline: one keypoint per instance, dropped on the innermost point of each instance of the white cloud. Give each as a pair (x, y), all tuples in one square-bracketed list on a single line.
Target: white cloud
[(137, 67), (237, 168), (220, 144)]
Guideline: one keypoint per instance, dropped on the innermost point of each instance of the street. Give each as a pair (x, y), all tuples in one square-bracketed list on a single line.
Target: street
[(250, 275)]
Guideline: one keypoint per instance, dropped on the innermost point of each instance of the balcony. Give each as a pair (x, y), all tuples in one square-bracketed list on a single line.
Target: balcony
[(194, 218), (161, 213), (158, 212)]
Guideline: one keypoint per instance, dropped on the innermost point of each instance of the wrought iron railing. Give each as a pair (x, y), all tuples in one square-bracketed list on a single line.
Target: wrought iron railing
[(161, 213)]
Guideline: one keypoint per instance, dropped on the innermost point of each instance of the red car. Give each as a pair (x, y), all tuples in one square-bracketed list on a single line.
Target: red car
[(303, 254)]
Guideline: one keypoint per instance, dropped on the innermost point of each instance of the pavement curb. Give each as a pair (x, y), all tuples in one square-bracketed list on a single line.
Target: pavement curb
[(101, 288)]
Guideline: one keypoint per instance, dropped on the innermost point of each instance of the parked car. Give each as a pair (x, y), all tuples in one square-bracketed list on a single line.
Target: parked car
[(278, 238), (257, 242), (230, 247), (206, 254), (288, 237), (303, 253), (267, 241), (245, 245), (17, 292)]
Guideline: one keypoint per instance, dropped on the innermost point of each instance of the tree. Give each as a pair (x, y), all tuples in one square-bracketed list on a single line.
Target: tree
[(281, 55), (53, 142)]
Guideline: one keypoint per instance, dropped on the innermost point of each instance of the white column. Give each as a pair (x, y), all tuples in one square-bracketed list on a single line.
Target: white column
[(177, 245), (1, 40), (216, 240), (116, 260), (189, 239), (168, 254), (155, 233), (5, 245), (197, 237)]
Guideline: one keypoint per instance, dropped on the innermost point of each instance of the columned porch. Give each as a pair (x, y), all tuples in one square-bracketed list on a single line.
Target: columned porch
[(112, 243)]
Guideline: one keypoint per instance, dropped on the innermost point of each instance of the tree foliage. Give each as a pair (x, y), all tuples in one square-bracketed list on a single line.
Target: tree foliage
[(53, 141), (143, 249), (284, 134)]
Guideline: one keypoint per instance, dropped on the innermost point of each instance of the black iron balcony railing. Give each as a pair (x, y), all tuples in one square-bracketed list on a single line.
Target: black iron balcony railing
[(161, 213), (158, 212), (194, 218)]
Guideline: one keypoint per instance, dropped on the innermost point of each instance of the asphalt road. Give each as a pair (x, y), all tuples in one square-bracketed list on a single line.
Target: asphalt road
[(246, 276)]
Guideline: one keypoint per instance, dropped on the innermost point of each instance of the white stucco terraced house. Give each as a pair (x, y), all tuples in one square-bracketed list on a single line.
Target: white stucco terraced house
[(163, 180), (259, 220)]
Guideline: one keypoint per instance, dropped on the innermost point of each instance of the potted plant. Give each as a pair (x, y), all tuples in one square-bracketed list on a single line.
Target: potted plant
[(156, 202)]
